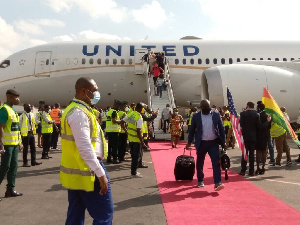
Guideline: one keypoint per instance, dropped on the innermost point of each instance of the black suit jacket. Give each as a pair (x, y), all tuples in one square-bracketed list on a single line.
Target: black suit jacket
[(250, 123)]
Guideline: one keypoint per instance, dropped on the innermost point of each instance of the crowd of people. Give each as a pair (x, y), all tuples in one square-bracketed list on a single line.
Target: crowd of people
[(89, 135)]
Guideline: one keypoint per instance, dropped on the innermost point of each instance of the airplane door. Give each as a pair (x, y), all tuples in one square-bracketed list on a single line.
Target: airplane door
[(42, 64), (140, 68)]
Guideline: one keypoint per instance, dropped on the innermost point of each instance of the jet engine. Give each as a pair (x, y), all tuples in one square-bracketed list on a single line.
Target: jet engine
[(246, 83)]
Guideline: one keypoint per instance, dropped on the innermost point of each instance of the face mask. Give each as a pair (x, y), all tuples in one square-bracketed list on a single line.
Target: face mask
[(96, 97), (16, 101), (126, 109)]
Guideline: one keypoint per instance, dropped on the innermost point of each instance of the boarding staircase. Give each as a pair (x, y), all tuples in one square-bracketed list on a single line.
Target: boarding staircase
[(155, 103)]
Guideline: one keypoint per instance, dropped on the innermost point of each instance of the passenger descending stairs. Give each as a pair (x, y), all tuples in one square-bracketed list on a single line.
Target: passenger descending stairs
[(155, 103)]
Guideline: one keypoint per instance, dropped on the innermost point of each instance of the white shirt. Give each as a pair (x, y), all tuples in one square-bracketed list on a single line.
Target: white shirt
[(165, 114), (208, 129), (80, 126)]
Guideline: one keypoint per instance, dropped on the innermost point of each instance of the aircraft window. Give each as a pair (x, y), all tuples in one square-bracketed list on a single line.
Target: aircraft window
[(192, 61), (130, 61), (245, 59), (99, 61), (284, 59), (47, 61), (91, 61), (83, 61), (269, 59), (223, 61), (114, 61), (207, 61), (184, 61), (122, 61), (75, 61), (230, 61), (176, 61), (199, 61), (215, 61), (238, 59), (276, 59), (106, 61), (253, 58), (5, 63), (292, 59), (67, 61), (261, 59)]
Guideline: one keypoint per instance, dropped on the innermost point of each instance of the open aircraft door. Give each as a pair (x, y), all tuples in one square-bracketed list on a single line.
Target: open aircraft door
[(42, 64), (140, 68)]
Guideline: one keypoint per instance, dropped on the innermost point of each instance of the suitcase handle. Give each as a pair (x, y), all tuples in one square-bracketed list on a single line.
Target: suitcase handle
[(187, 149)]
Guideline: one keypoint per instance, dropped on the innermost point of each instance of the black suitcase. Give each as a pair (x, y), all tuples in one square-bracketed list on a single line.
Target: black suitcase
[(184, 167)]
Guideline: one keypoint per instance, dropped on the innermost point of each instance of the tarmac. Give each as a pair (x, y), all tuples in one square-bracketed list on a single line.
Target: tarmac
[(136, 200)]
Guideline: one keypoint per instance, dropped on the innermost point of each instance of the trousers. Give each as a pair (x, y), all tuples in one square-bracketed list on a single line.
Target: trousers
[(27, 141), (54, 137), (250, 147), (46, 144), (113, 142), (9, 165), (100, 207)]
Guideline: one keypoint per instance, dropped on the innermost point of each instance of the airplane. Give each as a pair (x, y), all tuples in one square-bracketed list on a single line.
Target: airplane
[(199, 69)]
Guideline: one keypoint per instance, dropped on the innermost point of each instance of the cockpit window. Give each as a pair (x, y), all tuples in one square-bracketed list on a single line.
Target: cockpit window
[(5, 63)]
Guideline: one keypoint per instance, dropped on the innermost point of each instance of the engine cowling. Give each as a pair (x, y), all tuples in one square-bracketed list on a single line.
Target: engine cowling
[(246, 83)]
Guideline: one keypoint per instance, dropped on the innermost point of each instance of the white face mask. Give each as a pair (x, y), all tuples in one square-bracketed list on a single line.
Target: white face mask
[(126, 109)]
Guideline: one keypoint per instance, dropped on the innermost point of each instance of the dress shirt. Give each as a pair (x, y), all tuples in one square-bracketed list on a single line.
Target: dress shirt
[(80, 126), (208, 129)]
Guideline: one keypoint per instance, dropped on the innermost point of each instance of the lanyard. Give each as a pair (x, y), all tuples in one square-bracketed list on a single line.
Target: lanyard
[(80, 103)]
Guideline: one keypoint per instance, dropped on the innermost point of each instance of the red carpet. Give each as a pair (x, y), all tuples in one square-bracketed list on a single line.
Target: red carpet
[(241, 202)]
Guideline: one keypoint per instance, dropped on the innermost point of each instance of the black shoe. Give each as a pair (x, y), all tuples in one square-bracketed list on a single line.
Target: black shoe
[(297, 160), (242, 173), (116, 161), (45, 157), (257, 172), (262, 171), (50, 157), (26, 165), (219, 186), (142, 166), (251, 174), (36, 163), (11, 193)]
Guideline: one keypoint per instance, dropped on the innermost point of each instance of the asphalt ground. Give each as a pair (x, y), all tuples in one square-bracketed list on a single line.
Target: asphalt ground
[(136, 200)]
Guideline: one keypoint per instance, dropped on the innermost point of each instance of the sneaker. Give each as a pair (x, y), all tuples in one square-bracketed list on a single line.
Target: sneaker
[(277, 165), (271, 162), (200, 184), (137, 175), (219, 186), (157, 97), (289, 162)]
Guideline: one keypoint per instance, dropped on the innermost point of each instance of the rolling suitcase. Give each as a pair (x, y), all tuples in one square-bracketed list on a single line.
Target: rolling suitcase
[(184, 167)]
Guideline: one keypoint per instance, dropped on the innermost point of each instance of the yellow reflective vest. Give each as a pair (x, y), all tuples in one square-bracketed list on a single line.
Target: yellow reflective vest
[(133, 117), (24, 125), (11, 130), (47, 128), (75, 174), (110, 126), (276, 130), (121, 115), (227, 123), (191, 117)]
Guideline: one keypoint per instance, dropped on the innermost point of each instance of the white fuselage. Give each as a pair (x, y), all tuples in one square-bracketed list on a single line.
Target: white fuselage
[(49, 72)]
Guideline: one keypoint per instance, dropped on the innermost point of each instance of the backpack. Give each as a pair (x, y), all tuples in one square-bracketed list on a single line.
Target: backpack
[(224, 161)]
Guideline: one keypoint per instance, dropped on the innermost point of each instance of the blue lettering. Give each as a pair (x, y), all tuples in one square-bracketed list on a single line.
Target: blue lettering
[(194, 49), (84, 50), (132, 48), (117, 52), (169, 50), (148, 46)]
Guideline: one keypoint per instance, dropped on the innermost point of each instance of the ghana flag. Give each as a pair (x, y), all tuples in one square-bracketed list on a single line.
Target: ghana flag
[(272, 108)]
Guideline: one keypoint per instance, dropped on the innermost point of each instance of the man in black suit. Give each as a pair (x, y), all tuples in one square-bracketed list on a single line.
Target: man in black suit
[(250, 123), (208, 130)]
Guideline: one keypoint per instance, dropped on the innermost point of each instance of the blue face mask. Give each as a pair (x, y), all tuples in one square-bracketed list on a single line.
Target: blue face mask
[(96, 98)]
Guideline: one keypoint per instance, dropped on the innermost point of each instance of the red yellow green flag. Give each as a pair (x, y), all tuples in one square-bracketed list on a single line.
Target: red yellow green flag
[(272, 108)]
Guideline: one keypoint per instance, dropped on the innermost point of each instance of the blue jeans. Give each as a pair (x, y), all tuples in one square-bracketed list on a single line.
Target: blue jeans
[(271, 149), (159, 90), (212, 148), (100, 207)]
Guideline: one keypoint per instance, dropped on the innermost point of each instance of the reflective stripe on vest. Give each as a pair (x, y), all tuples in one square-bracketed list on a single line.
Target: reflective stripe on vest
[(24, 125), (110, 126), (55, 115), (133, 117), (191, 117), (47, 128), (11, 130), (75, 174), (276, 130)]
